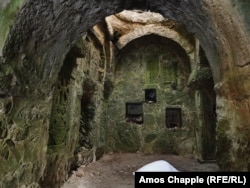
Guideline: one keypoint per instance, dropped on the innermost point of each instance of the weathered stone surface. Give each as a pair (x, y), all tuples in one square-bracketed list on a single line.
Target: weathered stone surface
[(8, 12), (35, 49), (150, 63), (242, 8)]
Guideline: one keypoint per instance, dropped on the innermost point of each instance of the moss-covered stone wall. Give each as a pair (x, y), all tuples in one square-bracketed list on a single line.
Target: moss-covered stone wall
[(151, 62), (35, 51), (74, 131), (39, 138), (8, 12)]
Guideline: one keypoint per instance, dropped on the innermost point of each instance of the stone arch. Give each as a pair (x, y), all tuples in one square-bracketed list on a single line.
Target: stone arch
[(161, 31), (180, 53), (44, 31), (157, 30), (49, 27), (52, 26)]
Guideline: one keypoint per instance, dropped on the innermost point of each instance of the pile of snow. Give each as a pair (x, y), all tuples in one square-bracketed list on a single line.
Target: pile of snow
[(157, 166)]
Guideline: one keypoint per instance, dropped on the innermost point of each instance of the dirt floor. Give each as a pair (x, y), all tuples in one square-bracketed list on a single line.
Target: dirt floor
[(116, 170)]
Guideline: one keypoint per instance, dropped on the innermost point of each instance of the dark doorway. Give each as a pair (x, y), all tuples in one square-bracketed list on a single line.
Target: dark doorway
[(209, 127), (208, 111)]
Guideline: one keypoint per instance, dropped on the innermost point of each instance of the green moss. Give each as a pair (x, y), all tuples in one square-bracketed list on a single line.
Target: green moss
[(128, 139), (6, 76), (143, 67), (10, 164), (152, 70), (149, 120), (56, 149), (149, 138), (108, 88), (62, 110), (223, 145), (199, 75), (164, 146), (58, 129), (80, 49), (241, 150), (7, 16), (167, 142)]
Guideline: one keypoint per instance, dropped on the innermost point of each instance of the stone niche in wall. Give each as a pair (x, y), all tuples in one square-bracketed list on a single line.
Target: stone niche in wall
[(134, 112), (150, 95)]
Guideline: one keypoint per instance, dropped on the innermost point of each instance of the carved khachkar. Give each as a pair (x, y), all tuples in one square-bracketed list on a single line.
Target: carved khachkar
[(59, 120), (58, 124)]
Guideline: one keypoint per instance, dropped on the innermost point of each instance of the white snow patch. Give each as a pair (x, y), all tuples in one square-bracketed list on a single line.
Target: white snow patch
[(157, 166)]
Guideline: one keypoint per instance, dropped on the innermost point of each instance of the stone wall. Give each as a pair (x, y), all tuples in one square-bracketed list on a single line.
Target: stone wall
[(143, 64), (243, 7), (75, 131), (8, 12), (45, 31), (40, 137)]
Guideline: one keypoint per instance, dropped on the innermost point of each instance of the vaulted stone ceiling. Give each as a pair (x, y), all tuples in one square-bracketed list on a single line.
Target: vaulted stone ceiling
[(129, 25)]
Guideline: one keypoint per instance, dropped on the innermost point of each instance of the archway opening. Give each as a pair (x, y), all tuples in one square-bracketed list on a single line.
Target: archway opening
[(51, 62)]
